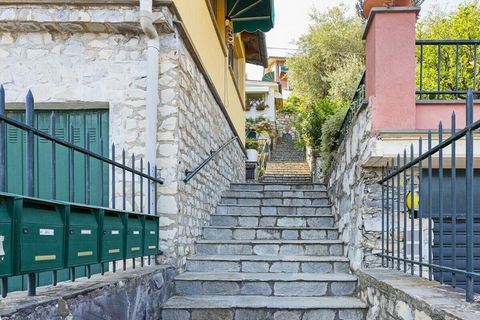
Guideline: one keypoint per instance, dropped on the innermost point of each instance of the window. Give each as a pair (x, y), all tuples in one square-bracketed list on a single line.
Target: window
[(257, 101)]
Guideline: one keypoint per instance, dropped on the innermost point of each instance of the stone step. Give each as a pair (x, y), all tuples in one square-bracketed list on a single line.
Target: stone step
[(269, 233), (269, 201), (257, 220), (265, 284), (262, 263), (302, 194), (285, 180), (273, 209), (263, 308), (271, 247), (277, 187)]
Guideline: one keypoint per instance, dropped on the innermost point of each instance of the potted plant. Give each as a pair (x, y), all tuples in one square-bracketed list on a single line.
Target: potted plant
[(252, 150), (365, 6)]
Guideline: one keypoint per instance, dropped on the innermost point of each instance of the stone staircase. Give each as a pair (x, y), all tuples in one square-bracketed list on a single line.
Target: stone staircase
[(271, 252), (287, 164)]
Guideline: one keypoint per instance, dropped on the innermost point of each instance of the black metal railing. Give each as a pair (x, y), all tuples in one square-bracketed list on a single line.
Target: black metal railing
[(358, 101), (431, 208), (48, 160), (213, 153), (446, 69)]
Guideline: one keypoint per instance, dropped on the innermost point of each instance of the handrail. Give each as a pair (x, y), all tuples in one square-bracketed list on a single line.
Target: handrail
[(190, 174)]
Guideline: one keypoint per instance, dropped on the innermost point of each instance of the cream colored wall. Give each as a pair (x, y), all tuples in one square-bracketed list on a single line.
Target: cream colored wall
[(196, 17)]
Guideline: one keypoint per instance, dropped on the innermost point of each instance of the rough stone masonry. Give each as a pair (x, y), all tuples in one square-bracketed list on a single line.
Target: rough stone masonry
[(96, 53)]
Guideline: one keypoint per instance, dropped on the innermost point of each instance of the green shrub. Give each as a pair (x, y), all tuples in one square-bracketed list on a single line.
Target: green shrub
[(292, 105), (329, 139), (310, 121), (252, 144)]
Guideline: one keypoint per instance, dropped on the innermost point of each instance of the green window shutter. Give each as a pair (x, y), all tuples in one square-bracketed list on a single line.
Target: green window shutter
[(94, 122)]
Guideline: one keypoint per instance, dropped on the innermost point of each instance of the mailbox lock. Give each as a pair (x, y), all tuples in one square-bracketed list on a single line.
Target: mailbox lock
[(71, 231), (104, 232), (24, 230)]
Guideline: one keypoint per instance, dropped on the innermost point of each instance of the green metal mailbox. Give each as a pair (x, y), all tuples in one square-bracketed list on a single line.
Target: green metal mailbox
[(151, 227), (134, 239), (6, 231), (39, 235), (112, 236), (82, 236)]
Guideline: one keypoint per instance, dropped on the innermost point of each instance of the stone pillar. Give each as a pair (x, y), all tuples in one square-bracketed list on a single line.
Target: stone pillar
[(390, 67)]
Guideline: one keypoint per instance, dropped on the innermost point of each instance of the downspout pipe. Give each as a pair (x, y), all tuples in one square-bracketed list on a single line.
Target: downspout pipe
[(147, 18)]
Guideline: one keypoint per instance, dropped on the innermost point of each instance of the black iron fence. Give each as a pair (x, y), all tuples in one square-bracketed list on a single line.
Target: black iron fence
[(446, 69), (61, 233), (358, 101), (431, 208)]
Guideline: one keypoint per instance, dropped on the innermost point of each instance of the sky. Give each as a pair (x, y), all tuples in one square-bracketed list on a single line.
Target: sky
[(292, 20)]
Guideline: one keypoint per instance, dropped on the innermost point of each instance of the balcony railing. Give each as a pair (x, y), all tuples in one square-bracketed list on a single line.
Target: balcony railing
[(65, 234), (446, 69), (430, 209), (358, 101)]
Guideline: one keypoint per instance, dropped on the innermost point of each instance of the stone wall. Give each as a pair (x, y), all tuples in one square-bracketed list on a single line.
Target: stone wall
[(356, 195), (186, 211), (394, 295), (132, 295), (98, 54), (284, 124)]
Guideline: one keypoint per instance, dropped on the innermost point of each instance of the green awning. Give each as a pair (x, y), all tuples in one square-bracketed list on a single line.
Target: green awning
[(251, 15), (283, 68), (269, 76)]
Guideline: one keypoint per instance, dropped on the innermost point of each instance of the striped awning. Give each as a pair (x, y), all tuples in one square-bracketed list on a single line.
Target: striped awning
[(251, 15)]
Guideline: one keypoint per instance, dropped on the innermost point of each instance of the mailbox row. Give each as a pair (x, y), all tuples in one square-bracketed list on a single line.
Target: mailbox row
[(38, 235)]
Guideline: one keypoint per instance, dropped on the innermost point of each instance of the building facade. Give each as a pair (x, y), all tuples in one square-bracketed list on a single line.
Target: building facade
[(92, 63)]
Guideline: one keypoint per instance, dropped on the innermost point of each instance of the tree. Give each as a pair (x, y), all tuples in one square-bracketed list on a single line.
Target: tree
[(332, 45), (462, 24)]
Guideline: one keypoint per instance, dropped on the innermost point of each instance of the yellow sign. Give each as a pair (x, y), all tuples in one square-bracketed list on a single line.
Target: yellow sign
[(84, 253), (46, 258), (415, 199)]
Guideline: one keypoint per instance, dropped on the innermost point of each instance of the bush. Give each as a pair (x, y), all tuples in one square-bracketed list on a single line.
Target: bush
[(252, 144), (292, 105), (310, 121), (329, 139)]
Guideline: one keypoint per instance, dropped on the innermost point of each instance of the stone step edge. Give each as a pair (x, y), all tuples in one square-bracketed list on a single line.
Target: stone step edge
[(272, 242), (274, 228), (273, 215), (275, 205), (280, 184), (265, 277), (264, 302), (266, 258)]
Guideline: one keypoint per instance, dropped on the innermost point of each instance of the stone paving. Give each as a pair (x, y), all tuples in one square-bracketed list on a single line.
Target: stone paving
[(271, 252)]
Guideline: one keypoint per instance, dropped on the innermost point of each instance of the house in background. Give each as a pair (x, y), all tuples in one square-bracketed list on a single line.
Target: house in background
[(277, 71), (262, 99)]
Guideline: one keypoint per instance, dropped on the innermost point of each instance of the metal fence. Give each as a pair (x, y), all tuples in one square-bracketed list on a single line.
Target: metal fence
[(358, 101), (430, 204), (446, 69), (25, 214)]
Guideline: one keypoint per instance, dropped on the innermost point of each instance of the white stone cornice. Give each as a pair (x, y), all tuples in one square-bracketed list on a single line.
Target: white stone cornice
[(75, 19)]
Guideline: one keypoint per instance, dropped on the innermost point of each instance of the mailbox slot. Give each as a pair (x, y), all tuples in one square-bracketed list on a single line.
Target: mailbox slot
[(82, 236), (6, 232), (40, 235), (113, 236), (134, 239), (151, 235)]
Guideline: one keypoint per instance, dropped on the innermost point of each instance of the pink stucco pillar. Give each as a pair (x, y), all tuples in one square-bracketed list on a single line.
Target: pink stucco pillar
[(390, 67)]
